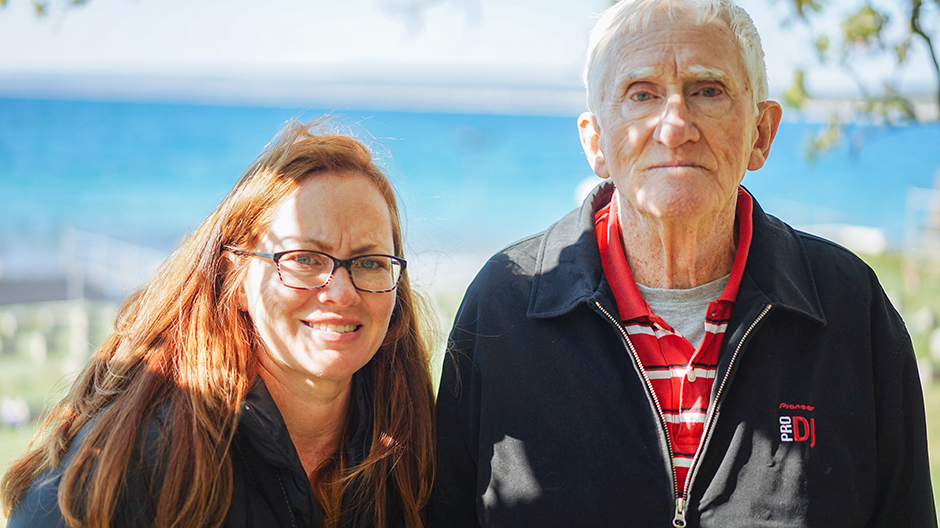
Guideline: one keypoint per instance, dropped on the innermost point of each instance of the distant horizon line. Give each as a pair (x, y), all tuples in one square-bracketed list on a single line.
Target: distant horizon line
[(380, 94), (485, 96)]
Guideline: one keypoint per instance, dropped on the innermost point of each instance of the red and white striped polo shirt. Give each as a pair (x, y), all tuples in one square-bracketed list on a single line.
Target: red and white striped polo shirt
[(682, 375)]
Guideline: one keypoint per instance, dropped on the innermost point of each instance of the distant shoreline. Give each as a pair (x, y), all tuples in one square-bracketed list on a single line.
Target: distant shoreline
[(486, 98), (547, 99)]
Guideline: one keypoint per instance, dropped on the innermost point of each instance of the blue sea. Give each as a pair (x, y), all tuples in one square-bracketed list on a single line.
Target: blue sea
[(150, 173)]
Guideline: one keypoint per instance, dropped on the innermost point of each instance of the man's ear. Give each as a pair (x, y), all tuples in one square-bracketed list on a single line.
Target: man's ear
[(768, 119), (590, 141)]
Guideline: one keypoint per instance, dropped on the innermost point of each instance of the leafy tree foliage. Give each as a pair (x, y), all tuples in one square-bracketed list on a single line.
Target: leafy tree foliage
[(865, 33), (44, 7)]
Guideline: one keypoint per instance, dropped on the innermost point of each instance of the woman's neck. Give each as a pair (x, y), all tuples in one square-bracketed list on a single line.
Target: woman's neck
[(315, 415)]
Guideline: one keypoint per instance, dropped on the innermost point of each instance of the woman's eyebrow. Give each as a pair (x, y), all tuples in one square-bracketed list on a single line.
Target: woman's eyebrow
[(319, 245)]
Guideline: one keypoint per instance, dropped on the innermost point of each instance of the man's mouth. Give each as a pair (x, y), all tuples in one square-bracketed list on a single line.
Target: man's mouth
[(332, 328), (674, 164)]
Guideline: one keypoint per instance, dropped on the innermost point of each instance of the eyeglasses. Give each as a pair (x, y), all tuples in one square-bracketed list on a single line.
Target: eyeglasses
[(302, 269)]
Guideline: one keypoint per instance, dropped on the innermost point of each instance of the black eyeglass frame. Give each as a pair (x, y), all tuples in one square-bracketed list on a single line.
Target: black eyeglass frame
[(337, 263)]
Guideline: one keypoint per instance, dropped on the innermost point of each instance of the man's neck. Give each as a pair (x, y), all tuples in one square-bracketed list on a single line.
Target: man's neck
[(678, 254)]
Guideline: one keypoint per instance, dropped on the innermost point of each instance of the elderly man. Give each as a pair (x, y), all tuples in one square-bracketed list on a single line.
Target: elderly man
[(669, 353)]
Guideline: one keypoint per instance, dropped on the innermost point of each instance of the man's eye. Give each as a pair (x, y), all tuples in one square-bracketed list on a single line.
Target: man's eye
[(710, 91), (641, 96)]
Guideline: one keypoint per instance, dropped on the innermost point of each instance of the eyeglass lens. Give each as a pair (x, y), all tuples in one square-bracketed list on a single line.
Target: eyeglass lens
[(307, 269)]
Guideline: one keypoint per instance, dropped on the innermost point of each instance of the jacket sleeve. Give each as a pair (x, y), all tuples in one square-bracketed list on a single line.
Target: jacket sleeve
[(904, 494), (39, 507), (454, 501)]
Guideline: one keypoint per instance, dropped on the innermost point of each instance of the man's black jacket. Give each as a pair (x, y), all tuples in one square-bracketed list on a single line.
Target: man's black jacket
[(544, 419)]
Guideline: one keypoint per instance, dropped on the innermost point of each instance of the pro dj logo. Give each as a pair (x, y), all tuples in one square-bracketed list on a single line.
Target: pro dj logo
[(797, 424)]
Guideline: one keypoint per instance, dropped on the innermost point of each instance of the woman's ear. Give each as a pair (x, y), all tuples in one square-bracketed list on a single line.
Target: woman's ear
[(240, 298), (590, 134)]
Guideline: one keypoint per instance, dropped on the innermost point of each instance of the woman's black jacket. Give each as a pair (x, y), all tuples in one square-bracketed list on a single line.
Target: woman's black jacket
[(271, 488)]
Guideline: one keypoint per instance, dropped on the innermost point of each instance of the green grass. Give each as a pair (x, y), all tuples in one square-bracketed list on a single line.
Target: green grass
[(915, 292), (38, 386), (932, 401)]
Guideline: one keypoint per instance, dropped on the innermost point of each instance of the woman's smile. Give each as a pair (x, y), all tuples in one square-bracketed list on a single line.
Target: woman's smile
[(343, 329)]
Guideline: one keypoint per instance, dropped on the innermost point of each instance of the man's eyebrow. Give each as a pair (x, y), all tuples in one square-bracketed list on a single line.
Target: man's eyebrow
[(626, 77), (635, 73), (706, 73)]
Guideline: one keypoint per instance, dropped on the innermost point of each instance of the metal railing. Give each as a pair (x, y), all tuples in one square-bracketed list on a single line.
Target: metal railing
[(114, 267)]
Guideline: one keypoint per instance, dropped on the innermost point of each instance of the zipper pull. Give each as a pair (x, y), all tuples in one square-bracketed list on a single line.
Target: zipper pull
[(679, 520)]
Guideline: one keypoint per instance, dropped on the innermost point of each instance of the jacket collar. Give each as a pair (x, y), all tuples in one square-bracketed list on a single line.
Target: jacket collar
[(568, 269), (778, 268), (262, 426)]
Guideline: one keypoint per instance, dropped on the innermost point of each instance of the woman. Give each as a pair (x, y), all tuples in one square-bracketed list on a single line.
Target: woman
[(273, 373)]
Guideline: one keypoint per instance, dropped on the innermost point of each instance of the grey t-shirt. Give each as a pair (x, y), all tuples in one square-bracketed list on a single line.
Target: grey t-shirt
[(685, 310)]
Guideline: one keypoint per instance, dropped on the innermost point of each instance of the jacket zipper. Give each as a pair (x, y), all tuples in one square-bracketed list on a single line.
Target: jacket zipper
[(663, 428), (679, 520), (681, 504)]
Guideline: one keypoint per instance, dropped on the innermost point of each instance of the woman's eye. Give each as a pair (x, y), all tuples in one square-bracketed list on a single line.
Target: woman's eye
[(641, 96), (303, 261), (371, 264)]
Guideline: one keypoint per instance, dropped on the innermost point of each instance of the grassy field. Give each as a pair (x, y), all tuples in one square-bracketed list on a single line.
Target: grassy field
[(932, 400)]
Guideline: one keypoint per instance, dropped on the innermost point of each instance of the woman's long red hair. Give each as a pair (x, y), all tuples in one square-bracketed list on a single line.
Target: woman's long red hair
[(182, 345)]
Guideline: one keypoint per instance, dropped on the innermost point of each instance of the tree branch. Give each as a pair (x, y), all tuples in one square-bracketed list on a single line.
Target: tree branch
[(917, 30)]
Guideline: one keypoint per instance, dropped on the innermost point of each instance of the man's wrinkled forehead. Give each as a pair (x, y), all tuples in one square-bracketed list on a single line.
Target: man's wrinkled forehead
[(621, 56)]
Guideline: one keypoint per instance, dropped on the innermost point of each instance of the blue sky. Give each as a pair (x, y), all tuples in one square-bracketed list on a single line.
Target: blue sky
[(273, 49)]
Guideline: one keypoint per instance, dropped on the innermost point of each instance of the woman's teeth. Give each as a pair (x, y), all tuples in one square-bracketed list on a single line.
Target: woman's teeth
[(332, 328)]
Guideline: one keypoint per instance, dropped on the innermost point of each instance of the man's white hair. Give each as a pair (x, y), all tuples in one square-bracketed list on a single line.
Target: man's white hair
[(628, 16)]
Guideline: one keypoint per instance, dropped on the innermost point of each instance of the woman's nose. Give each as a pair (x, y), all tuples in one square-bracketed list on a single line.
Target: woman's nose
[(339, 289)]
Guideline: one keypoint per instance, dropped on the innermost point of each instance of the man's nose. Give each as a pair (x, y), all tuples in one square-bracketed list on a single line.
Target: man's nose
[(676, 124), (339, 289)]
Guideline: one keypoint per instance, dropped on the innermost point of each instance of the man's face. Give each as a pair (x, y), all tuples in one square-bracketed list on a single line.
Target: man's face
[(677, 127)]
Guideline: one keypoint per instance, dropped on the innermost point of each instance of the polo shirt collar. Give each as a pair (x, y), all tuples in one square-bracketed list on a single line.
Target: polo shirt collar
[(630, 302)]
